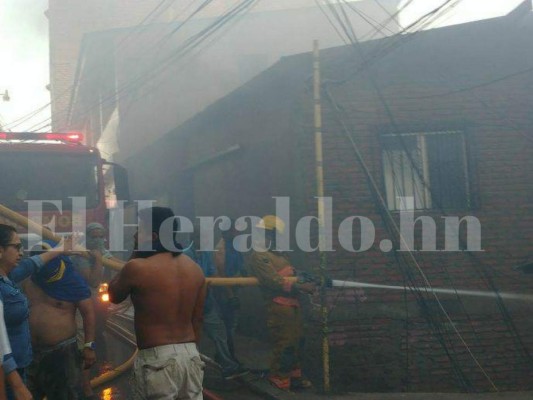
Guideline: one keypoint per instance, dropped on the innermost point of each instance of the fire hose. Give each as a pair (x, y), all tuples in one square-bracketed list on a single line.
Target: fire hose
[(250, 281), (115, 265)]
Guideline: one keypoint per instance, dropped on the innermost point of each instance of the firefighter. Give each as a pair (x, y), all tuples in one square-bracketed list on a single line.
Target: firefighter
[(284, 319)]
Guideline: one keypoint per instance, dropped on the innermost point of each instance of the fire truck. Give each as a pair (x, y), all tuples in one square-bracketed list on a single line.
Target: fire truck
[(58, 167)]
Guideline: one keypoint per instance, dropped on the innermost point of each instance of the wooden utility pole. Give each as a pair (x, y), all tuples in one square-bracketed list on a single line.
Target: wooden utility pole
[(319, 163)]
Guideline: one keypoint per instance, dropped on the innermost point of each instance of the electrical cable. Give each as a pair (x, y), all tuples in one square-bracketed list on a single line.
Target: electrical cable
[(426, 282), (460, 374), (190, 44), (153, 14)]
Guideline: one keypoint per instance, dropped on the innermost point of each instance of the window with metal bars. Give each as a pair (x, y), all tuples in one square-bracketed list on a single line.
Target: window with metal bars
[(426, 170)]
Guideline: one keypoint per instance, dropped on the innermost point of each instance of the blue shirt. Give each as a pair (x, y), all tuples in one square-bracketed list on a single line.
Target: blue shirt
[(206, 261), (16, 312)]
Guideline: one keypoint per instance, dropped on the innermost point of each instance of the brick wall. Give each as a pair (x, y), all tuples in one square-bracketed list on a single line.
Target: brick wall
[(382, 340), (385, 341)]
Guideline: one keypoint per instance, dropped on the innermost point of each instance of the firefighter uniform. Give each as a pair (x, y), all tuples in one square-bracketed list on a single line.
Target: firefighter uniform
[(284, 319)]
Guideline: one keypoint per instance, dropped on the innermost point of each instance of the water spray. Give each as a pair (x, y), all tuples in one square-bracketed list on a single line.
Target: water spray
[(474, 293)]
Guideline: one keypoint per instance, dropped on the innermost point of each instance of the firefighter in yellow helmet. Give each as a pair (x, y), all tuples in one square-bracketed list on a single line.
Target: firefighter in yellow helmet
[(284, 319)]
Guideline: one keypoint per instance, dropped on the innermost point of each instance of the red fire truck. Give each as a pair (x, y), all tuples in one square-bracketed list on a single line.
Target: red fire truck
[(57, 166)]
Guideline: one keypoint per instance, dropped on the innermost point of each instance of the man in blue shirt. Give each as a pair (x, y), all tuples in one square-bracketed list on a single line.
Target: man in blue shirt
[(214, 326)]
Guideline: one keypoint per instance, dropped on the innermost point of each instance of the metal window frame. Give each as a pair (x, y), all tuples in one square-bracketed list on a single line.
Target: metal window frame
[(424, 158)]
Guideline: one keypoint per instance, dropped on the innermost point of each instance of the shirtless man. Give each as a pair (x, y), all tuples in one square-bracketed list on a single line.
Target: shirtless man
[(92, 270), (167, 290), (55, 293)]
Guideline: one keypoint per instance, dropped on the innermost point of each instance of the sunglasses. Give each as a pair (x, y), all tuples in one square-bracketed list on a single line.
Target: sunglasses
[(17, 246)]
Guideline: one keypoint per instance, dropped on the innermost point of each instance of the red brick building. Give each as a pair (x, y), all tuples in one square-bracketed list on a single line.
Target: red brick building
[(442, 116)]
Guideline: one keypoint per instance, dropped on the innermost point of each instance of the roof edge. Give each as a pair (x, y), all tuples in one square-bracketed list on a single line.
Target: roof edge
[(522, 9)]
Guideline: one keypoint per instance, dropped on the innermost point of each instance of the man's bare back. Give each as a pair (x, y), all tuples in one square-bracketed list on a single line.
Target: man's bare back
[(168, 295)]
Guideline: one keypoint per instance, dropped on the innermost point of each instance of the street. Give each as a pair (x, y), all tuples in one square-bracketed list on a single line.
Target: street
[(119, 349)]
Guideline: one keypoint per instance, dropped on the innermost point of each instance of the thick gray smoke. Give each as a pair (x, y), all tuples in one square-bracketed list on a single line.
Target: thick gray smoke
[(24, 67)]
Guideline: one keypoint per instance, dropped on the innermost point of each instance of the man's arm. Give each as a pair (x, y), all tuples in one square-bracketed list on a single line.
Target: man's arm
[(198, 312), (9, 366), (25, 268), (219, 257), (261, 266), (20, 390), (5, 348), (121, 285), (2, 384), (29, 265), (96, 268), (220, 265), (87, 315)]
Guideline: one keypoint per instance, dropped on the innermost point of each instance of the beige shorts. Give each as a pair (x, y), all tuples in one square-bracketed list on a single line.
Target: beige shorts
[(173, 371)]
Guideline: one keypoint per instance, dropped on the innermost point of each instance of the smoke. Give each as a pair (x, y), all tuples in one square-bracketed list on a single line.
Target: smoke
[(464, 11), (24, 70)]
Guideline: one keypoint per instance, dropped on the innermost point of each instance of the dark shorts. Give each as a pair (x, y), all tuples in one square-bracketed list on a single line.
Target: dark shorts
[(55, 372)]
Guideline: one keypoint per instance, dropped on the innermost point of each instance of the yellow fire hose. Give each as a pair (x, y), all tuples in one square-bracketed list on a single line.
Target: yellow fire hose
[(38, 229), (112, 264), (32, 226), (117, 266), (115, 372)]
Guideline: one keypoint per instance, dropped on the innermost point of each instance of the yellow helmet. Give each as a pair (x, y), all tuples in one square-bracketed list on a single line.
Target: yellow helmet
[(271, 222)]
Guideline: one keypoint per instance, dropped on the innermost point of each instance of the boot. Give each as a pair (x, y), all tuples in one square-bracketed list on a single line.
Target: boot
[(298, 381), (281, 382)]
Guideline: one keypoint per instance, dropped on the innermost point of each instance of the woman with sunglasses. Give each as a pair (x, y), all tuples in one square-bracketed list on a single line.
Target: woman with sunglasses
[(14, 269)]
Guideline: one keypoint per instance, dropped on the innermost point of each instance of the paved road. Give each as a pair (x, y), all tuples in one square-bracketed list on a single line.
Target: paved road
[(415, 396), (117, 351)]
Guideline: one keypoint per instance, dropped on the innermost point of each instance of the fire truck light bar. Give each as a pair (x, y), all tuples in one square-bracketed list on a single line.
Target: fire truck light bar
[(69, 137), (72, 137)]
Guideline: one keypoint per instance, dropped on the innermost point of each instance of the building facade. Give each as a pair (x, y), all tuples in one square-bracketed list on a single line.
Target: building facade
[(434, 126), (133, 84)]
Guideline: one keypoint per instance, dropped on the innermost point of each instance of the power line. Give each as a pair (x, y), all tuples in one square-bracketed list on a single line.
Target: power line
[(183, 50), (152, 15), (156, 46), (371, 21), (504, 311), (482, 271), (11, 125), (129, 34), (383, 206), (392, 17), (472, 87), (317, 2), (193, 55), (378, 2), (398, 40)]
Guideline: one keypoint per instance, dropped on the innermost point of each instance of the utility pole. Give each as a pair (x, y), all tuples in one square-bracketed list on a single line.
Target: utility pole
[(319, 163), (5, 97)]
